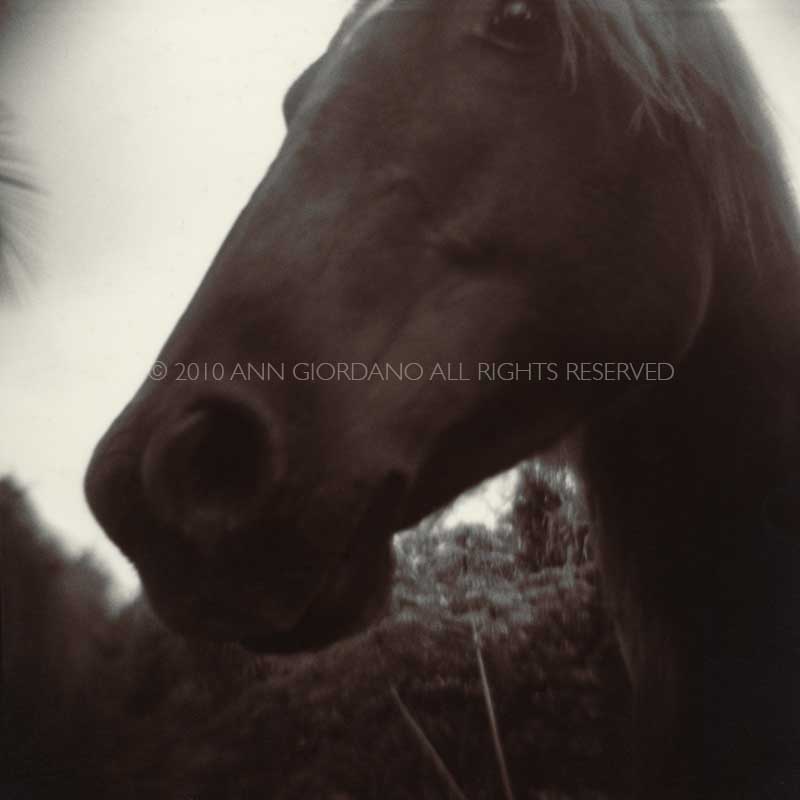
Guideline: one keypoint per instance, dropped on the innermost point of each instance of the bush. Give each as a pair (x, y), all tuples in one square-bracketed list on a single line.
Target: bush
[(548, 519)]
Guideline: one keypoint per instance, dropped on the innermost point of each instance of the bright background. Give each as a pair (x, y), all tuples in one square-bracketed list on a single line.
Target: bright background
[(147, 124)]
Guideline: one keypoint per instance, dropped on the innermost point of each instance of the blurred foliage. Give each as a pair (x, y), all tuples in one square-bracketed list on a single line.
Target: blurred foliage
[(16, 195), (547, 518)]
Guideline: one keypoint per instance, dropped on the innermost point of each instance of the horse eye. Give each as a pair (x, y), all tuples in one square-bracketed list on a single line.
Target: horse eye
[(513, 23)]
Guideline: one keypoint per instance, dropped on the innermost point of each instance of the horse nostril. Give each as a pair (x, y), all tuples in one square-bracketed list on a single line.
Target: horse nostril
[(208, 471)]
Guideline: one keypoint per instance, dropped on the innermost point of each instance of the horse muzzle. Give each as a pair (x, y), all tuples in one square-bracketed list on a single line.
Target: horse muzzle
[(228, 545)]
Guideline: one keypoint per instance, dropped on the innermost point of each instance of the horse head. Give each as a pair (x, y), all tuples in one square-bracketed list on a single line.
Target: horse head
[(460, 183), (477, 183)]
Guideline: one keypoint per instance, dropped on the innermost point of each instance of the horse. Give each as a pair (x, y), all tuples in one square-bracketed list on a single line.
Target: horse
[(577, 184)]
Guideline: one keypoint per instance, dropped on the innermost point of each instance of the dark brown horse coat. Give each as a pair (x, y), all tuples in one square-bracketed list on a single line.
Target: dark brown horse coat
[(486, 181)]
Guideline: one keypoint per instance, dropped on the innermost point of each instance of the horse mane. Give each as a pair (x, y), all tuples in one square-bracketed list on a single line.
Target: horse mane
[(685, 61)]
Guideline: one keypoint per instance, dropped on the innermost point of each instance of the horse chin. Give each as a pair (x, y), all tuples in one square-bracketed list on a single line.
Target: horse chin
[(311, 635), (354, 596), (350, 595)]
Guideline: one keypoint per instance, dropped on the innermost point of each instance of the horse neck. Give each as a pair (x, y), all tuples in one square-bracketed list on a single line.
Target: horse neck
[(727, 428), (679, 475)]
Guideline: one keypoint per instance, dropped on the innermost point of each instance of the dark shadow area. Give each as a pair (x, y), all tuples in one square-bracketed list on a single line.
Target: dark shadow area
[(99, 704)]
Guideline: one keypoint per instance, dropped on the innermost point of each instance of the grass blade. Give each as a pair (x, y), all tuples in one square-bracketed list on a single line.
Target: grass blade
[(429, 749), (487, 695)]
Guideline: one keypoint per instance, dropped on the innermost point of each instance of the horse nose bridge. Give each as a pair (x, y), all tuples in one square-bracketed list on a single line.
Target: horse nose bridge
[(321, 196), (208, 468)]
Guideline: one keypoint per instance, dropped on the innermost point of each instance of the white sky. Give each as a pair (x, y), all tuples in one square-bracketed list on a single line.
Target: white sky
[(148, 123)]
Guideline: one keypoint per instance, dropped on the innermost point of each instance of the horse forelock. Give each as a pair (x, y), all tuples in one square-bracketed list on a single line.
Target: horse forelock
[(685, 62)]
